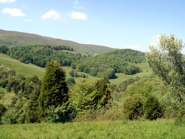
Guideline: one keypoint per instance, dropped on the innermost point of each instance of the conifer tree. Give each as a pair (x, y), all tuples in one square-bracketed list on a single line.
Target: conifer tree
[(54, 90)]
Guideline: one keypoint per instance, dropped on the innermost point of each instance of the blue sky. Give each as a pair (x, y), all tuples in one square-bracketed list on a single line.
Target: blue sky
[(113, 23)]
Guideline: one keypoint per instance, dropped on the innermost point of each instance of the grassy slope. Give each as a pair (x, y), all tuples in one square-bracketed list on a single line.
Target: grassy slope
[(100, 130), (26, 39), (25, 69)]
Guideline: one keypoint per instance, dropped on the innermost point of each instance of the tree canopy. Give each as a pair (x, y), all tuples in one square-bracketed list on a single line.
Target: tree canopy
[(167, 61)]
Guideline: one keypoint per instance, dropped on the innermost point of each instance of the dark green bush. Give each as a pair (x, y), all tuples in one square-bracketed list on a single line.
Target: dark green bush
[(152, 108), (133, 107), (2, 110)]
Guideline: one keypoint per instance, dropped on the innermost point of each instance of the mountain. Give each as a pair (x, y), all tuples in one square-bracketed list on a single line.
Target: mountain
[(25, 39)]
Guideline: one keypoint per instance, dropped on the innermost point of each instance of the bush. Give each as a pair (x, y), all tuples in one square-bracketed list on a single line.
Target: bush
[(2, 110), (70, 81), (10, 117), (63, 113), (152, 108), (132, 107)]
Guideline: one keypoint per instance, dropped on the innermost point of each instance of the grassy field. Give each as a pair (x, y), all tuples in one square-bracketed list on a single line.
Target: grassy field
[(30, 69), (160, 129), (25, 69)]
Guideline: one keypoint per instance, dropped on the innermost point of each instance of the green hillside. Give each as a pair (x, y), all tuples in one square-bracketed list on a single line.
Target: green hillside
[(107, 64), (26, 39)]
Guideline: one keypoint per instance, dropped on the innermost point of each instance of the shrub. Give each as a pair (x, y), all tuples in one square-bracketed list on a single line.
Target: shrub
[(132, 107), (2, 110), (152, 108)]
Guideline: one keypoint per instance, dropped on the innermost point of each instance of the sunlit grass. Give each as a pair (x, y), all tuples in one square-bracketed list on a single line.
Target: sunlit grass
[(159, 129), (25, 69)]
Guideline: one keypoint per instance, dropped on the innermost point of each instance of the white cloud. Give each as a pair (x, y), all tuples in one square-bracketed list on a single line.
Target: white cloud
[(7, 1), (28, 20), (13, 12), (78, 15), (51, 14), (155, 40), (132, 46)]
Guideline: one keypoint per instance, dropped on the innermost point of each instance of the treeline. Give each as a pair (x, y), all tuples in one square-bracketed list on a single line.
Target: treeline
[(41, 54), (107, 64)]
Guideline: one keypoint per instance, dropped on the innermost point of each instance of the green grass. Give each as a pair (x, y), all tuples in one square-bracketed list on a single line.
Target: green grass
[(160, 129), (25, 69)]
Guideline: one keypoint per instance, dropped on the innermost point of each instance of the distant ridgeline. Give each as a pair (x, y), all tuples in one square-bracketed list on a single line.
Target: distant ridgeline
[(102, 65), (41, 54)]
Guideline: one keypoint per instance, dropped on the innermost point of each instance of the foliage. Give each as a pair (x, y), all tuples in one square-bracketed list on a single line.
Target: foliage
[(103, 93), (62, 113), (152, 108), (70, 81), (107, 64), (54, 90), (2, 110), (87, 96), (167, 62), (133, 107), (33, 112), (41, 54)]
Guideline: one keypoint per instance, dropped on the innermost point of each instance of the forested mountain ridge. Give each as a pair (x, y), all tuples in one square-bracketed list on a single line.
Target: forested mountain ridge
[(26, 39)]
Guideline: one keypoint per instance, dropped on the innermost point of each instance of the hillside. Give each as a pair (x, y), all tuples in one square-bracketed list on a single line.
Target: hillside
[(116, 61), (25, 39)]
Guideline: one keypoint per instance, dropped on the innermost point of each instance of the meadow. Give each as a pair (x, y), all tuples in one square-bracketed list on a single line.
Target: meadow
[(159, 129)]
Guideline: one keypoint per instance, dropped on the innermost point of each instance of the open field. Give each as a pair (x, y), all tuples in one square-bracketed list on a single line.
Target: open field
[(160, 129), (25, 69)]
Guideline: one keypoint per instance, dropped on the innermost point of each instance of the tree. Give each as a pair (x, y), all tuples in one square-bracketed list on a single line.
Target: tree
[(167, 62), (54, 90), (33, 112), (103, 94)]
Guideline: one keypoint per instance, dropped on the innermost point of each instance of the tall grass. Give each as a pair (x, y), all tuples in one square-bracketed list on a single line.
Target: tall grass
[(160, 129)]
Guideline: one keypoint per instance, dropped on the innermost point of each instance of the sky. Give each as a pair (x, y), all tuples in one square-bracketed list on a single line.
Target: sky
[(120, 24)]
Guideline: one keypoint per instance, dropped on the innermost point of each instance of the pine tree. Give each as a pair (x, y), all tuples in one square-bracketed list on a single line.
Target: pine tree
[(33, 112), (54, 90)]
